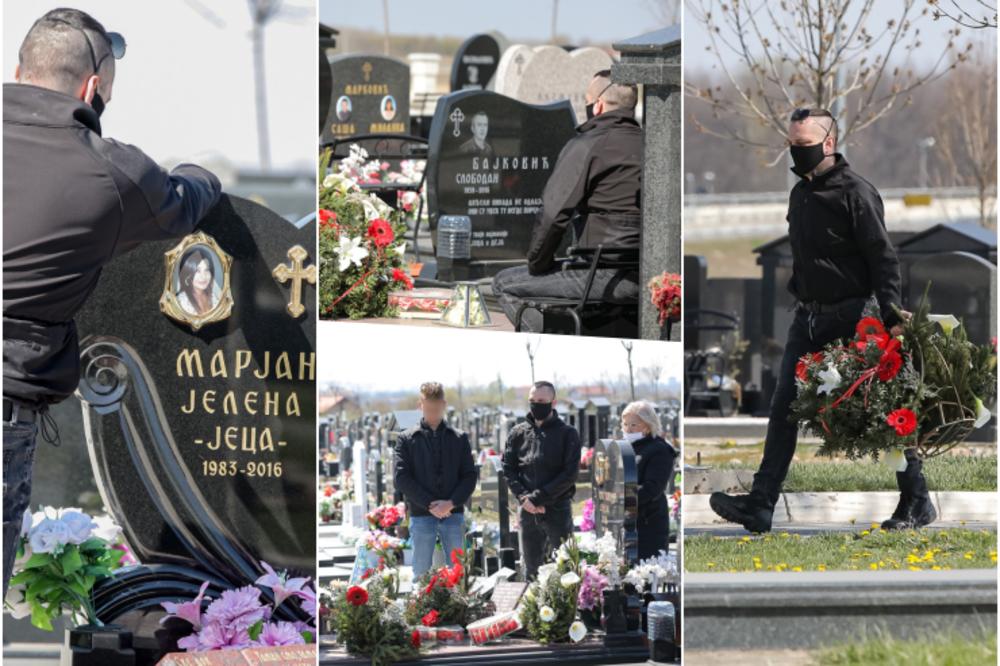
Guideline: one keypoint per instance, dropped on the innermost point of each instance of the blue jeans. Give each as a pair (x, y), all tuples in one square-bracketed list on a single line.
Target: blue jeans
[(18, 455), (424, 533)]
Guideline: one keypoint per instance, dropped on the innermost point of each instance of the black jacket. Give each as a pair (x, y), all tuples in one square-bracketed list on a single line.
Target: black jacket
[(541, 463), (655, 467), (840, 247), (599, 176), (72, 202), (434, 464)]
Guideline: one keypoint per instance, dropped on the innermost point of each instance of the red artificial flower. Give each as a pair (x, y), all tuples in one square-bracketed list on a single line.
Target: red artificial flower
[(880, 339), (454, 575), (430, 619), (889, 365), (357, 595), (367, 573), (380, 231), (903, 421), (802, 369), (456, 553), (415, 639), (869, 326), (399, 275), (328, 491)]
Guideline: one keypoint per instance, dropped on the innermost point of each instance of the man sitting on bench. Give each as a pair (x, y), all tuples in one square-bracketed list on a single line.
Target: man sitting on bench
[(598, 180)]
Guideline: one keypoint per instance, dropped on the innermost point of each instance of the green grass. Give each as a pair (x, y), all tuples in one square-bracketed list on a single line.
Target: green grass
[(976, 473), (870, 549), (948, 650)]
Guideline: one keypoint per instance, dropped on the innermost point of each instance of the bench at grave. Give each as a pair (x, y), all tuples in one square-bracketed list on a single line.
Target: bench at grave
[(489, 159), (201, 426)]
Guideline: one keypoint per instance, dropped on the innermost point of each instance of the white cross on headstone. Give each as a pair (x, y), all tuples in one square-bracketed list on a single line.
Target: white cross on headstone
[(457, 117)]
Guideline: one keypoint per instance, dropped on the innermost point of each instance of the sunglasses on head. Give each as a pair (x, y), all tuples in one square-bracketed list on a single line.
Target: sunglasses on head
[(798, 115), (115, 41)]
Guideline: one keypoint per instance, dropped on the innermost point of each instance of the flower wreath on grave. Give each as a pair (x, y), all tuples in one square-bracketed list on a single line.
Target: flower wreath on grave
[(361, 242), (368, 621), (61, 555), (549, 606), (443, 597), (927, 388), (387, 517), (238, 618), (665, 293)]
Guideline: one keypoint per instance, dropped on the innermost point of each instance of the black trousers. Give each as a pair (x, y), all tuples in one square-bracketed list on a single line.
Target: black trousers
[(543, 533), (808, 333)]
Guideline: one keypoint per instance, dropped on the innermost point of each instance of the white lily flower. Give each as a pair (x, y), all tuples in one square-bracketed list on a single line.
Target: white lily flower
[(546, 614), (947, 322), (350, 252), (831, 379), (569, 579), (577, 631), (895, 460), (982, 414)]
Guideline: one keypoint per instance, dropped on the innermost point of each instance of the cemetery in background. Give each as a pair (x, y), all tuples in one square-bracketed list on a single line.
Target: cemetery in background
[(458, 138), (358, 430)]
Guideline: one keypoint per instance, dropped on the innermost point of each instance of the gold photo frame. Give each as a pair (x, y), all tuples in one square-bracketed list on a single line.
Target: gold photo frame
[(187, 297)]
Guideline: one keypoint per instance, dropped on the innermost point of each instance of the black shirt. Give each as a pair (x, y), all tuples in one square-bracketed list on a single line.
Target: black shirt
[(73, 201), (840, 246), (598, 175), (541, 463)]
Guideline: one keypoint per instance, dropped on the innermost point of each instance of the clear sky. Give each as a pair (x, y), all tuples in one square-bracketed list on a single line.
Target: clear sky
[(185, 87), (366, 357), (591, 21)]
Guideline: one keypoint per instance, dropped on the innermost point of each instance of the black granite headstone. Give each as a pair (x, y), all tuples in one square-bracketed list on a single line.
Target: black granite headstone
[(959, 285), (475, 63), (615, 492), (489, 158), (490, 507), (201, 434), (369, 94)]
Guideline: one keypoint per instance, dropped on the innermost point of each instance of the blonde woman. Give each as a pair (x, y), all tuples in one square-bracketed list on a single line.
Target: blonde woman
[(655, 461)]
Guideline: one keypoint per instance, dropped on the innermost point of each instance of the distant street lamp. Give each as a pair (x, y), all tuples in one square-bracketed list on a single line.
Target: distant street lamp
[(923, 145)]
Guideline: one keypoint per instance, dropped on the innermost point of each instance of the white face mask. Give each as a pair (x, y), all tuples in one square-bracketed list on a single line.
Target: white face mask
[(634, 436)]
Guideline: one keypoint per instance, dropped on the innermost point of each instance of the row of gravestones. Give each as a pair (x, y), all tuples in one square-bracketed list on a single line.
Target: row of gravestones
[(490, 151)]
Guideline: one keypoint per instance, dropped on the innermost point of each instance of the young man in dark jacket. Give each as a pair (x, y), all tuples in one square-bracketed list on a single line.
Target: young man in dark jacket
[(841, 257), (597, 180), (436, 473), (72, 202), (540, 464)]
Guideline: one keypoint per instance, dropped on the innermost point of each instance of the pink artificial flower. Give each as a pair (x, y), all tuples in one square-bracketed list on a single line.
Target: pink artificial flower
[(238, 609), (189, 611), (280, 633), (282, 586)]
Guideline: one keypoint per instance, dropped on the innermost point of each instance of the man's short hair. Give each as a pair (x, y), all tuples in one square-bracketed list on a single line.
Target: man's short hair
[(432, 391), (56, 52), (616, 95), (479, 113), (547, 385), (800, 115)]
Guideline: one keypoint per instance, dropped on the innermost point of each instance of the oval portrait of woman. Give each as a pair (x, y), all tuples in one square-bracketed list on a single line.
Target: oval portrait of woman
[(197, 290), (388, 107)]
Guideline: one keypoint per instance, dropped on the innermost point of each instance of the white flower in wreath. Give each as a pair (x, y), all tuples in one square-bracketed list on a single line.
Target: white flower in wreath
[(546, 614), (947, 322), (544, 572), (16, 605), (577, 631), (831, 379), (569, 579), (106, 528), (400, 249), (895, 460), (350, 252), (982, 414)]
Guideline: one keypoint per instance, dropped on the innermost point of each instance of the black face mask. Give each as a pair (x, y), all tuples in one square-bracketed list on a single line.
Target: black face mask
[(806, 158), (98, 104), (540, 410)]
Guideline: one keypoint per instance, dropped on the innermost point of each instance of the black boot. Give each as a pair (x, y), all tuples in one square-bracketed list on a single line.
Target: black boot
[(915, 508), (747, 510)]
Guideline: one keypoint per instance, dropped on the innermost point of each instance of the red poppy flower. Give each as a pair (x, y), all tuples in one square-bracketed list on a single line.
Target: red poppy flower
[(889, 365), (430, 619), (903, 421), (869, 326), (457, 553), (415, 639), (357, 595), (399, 275), (380, 231)]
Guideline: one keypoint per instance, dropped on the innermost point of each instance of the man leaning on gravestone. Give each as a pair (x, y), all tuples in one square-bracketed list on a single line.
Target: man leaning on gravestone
[(436, 473), (541, 461), (841, 257), (597, 185), (72, 202)]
